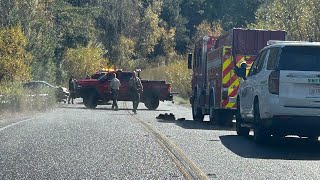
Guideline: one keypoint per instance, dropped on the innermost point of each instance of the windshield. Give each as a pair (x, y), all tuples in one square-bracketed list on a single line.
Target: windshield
[(300, 58)]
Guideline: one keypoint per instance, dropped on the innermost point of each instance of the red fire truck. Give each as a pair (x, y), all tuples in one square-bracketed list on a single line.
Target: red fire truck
[(214, 83)]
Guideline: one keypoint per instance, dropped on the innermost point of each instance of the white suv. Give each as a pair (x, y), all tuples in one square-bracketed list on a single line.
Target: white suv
[(281, 94)]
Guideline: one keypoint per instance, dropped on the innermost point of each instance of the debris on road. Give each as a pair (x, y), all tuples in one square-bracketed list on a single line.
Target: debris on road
[(181, 119), (167, 116)]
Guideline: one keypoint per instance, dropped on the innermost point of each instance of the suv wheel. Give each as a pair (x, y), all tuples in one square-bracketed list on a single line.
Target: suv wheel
[(260, 134), (241, 131)]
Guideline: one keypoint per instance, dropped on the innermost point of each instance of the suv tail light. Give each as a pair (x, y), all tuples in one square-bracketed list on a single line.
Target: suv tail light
[(274, 79)]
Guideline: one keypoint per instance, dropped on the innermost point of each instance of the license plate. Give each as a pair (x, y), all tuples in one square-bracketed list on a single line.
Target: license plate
[(314, 90)]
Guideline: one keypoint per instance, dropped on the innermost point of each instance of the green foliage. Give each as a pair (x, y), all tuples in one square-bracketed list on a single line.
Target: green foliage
[(56, 36), (14, 59), (127, 53), (117, 18), (207, 29), (180, 77), (84, 61), (301, 19), (152, 32), (176, 73)]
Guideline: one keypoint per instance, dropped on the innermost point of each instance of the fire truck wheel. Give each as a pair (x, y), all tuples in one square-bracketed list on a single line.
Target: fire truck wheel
[(212, 111), (196, 111), (152, 102)]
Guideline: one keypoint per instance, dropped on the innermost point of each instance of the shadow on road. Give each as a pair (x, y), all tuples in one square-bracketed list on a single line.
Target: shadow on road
[(72, 107), (289, 148), (191, 124), (108, 108)]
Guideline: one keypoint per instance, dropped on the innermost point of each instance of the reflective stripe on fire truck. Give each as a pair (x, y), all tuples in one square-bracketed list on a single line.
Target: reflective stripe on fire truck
[(230, 79)]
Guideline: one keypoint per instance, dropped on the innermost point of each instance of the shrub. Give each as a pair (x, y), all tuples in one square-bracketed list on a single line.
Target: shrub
[(179, 76), (176, 73), (15, 98)]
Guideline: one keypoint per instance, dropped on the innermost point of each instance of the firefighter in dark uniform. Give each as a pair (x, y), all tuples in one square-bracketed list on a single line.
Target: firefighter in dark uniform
[(72, 88), (136, 88)]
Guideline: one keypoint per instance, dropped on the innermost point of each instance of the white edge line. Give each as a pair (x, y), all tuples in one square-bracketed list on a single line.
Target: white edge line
[(14, 124)]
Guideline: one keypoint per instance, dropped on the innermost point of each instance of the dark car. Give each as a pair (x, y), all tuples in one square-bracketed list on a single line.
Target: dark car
[(39, 87)]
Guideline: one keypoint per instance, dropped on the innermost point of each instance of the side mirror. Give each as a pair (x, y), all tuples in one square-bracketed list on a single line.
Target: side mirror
[(240, 72), (189, 61)]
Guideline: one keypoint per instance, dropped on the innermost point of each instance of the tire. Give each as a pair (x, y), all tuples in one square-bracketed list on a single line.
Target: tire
[(91, 102), (86, 101), (241, 131), (211, 115), (152, 102), (212, 110), (196, 112), (260, 134)]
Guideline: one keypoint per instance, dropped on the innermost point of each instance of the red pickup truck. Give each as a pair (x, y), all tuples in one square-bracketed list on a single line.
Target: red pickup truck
[(96, 91)]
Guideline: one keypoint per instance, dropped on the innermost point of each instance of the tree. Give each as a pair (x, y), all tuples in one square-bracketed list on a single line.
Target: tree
[(299, 18), (231, 13), (150, 30), (206, 29), (14, 59), (118, 18), (127, 53), (171, 14), (36, 21), (83, 61)]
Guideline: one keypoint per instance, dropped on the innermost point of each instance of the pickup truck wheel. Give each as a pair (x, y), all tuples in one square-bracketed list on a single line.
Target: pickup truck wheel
[(241, 131), (196, 111), (152, 102), (91, 102), (86, 101), (260, 134)]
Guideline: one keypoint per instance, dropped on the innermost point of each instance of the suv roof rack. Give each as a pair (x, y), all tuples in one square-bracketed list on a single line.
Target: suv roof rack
[(271, 42)]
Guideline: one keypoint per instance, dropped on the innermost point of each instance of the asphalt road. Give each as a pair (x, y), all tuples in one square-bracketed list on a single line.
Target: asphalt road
[(73, 142)]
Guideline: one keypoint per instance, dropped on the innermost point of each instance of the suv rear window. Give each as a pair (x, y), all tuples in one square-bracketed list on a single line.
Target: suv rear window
[(300, 58)]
